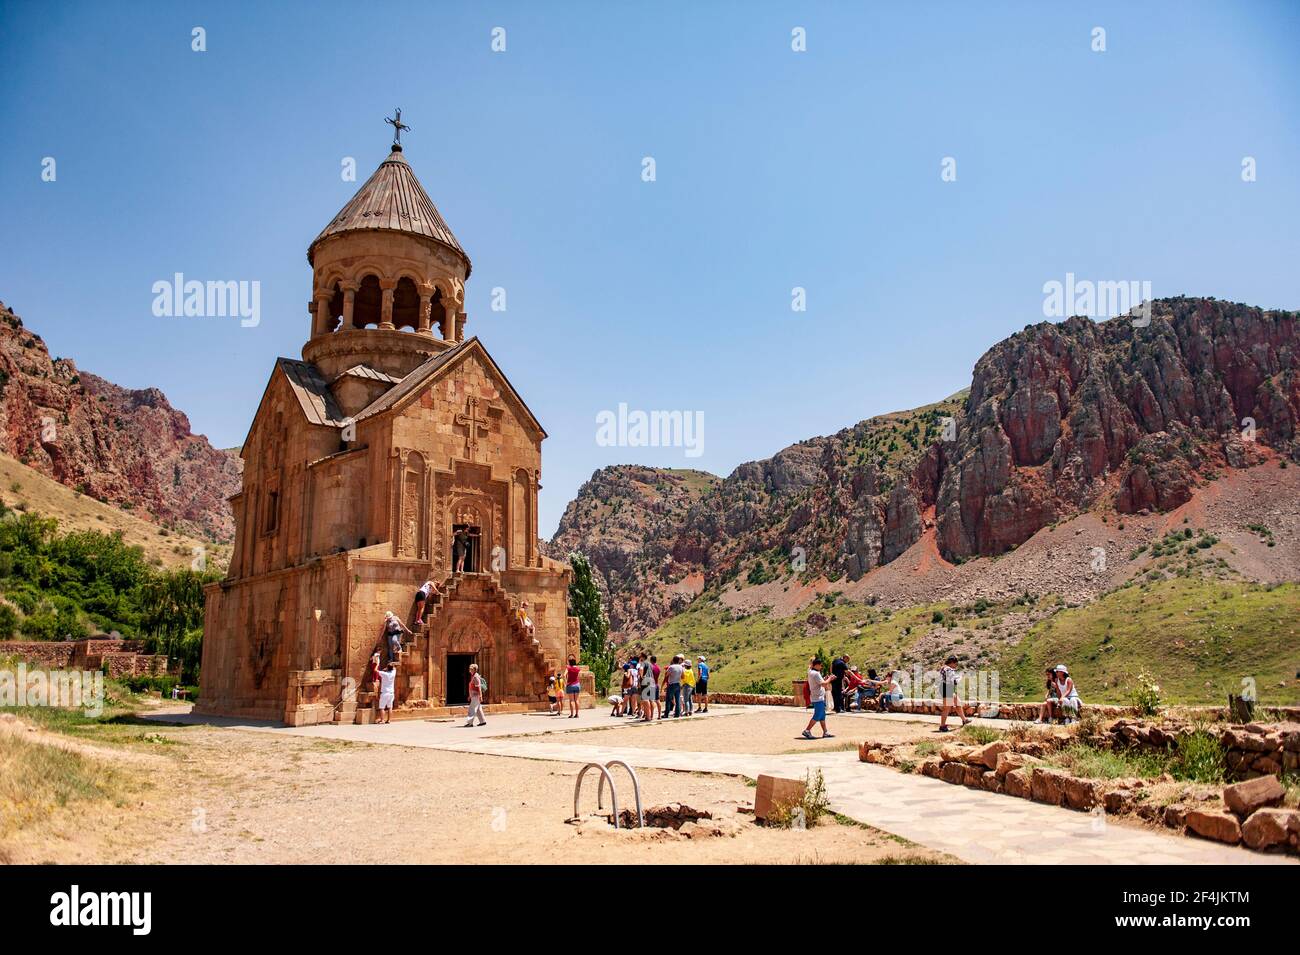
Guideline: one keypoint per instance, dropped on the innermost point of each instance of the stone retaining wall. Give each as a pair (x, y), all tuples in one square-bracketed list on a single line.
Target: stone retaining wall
[(1251, 812), (1255, 749), (45, 653)]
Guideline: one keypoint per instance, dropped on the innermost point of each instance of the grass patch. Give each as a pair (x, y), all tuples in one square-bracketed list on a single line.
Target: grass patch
[(37, 779), (980, 734), (1184, 632)]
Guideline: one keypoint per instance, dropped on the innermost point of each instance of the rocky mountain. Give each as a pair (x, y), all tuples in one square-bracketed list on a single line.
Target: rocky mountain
[(130, 449), (1059, 420)]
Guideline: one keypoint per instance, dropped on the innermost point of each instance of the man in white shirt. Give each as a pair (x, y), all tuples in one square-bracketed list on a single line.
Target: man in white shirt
[(387, 685), (817, 696)]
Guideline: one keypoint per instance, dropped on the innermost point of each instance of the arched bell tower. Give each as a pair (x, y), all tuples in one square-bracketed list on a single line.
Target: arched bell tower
[(388, 277)]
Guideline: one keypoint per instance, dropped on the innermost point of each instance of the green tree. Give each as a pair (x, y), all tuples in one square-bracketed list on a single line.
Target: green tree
[(585, 604)]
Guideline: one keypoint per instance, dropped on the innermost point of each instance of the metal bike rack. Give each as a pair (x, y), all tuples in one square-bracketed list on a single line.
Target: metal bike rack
[(636, 789), (613, 793)]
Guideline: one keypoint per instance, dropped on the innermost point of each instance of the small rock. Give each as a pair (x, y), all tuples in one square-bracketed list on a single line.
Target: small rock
[(1245, 798), (1269, 827), (1214, 824)]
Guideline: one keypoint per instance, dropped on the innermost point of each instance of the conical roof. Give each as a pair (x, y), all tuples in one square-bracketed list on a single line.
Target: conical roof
[(393, 199)]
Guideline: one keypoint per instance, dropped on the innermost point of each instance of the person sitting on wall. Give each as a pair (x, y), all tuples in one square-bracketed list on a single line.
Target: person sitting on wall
[(525, 621), (1069, 703), (1047, 712)]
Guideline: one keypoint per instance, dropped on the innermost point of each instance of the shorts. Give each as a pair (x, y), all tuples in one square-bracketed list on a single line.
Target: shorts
[(385, 701), (950, 691), (1070, 703), (551, 697), (819, 710), (421, 595), (573, 689), (702, 687)]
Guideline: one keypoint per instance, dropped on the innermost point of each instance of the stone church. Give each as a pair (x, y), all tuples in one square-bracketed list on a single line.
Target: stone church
[(393, 450)]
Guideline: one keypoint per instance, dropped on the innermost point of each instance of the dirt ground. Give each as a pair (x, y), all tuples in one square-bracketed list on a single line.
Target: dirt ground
[(207, 795), (765, 731)]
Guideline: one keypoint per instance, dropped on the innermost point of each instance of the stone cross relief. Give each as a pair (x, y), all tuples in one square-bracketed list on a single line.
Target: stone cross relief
[(475, 425)]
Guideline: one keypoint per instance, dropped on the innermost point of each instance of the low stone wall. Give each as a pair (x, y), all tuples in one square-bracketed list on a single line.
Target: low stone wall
[(45, 653), (118, 658), (1255, 749), (754, 699), (1253, 814)]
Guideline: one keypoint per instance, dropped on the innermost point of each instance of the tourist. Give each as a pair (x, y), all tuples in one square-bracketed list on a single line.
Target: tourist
[(948, 676), (673, 689), (655, 673), (1068, 701), (628, 687), (702, 684), (839, 666), (476, 687), (688, 686), (426, 591), (393, 630), (459, 550), (817, 694), (854, 684), (374, 670), (525, 620), (554, 694), (1047, 712), (634, 708), (870, 693), (572, 686), (647, 677), (387, 687), (892, 698), (615, 702)]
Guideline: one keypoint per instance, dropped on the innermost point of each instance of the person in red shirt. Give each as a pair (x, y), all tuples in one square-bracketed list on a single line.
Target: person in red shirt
[(572, 686)]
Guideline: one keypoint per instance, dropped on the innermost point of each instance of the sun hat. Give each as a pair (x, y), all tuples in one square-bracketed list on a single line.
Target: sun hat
[(1060, 668)]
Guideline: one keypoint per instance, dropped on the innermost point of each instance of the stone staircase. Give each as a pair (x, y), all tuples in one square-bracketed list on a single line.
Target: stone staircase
[(412, 660)]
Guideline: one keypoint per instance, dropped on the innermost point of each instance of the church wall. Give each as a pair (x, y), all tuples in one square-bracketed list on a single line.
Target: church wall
[(257, 631)]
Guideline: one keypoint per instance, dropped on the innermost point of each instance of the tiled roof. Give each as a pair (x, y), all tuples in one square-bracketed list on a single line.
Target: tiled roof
[(392, 199), (413, 381), (365, 371), (313, 393)]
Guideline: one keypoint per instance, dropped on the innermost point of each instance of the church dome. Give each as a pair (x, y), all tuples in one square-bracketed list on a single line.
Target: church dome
[(392, 200)]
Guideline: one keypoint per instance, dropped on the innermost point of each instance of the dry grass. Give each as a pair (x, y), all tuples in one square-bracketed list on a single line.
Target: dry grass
[(22, 487)]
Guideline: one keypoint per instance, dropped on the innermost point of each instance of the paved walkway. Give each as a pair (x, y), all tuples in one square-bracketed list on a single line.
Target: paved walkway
[(973, 825)]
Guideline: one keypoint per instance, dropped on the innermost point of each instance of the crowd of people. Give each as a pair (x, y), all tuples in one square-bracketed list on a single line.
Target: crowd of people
[(649, 692)]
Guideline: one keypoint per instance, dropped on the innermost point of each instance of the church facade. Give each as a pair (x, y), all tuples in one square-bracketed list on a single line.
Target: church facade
[(394, 452)]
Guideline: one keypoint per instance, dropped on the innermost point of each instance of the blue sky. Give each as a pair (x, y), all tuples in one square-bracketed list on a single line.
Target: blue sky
[(775, 169)]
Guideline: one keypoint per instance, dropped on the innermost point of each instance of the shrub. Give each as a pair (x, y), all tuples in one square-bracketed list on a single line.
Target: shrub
[(763, 687), (1199, 758), (1146, 695)]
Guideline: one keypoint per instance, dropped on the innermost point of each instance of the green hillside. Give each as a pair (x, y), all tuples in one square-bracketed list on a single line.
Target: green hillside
[(1197, 638)]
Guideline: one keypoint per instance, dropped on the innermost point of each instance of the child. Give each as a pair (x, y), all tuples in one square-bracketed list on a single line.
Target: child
[(387, 685), (554, 694), (1047, 712), (948, 677), (817, 694)]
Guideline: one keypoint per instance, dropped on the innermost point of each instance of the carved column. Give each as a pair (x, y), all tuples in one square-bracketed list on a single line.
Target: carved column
[(459, 326), (323, 323), (448, 322), (386, 309), (426, 310), (349, 300)]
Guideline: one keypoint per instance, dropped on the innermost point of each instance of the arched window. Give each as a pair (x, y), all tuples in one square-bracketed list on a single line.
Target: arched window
[(368, 305), (406, 305)]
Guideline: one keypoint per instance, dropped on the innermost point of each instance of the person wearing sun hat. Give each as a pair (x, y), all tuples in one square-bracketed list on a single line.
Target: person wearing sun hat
[(1068, 702), (702, 683)]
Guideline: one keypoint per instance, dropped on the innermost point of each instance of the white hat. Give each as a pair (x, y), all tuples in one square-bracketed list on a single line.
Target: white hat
[(701, 659), (389, 613), (1060, 668)]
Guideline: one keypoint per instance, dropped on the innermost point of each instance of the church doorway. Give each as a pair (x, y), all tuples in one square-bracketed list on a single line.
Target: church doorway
[(465, 548), (458, 678)]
